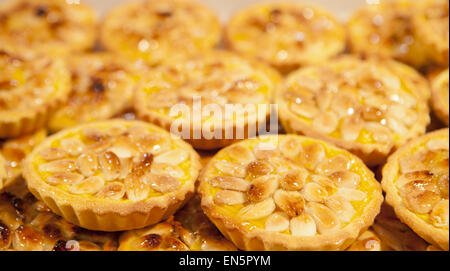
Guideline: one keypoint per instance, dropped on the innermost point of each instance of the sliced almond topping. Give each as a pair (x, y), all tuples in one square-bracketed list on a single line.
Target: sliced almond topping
[(402, 114), (277, 222), (99, 146), (64, 178), (342, 207), (438, 144), (420, 196), (263, 153), (380, 133), (262, 187), (303, 225), (122, 152), (87, 163), (227, 197), (351, 127), (259, 168), (408, 164), (90, 185), (343, 105), (337, 163), (307, 110), (442, 184), (230, 183), (324, 99), (413, 176), (174, 157), (291, 202), (65, 165), (114, 190), (166, 169), (136, 188), (439, 214), (110, 165), (164, 184), (397, 126), (126, 167), (72, 146), (290, 147), (153, 144), (257, 210), (95, 134), (294, 180), (51, 154), (346, 179), (326, 220), (351, 194), (240, 154), (231, 169), (326, 122), (315, 192), (312, 154)]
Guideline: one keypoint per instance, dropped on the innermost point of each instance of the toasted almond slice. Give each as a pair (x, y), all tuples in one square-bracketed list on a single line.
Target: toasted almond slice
[(291, 202), (227, 197), (326, 220), (282, 164), (126, 167), (315, 192), (174, 157), (294, 180), (263, 152), (442, 184), (290, 147), (65, 165), (240, 154), (114, 190), (303, 225), (231, 169), (326, 183), (259, 168), (326, 122), (312, 154), (257, 210), (136, 188), (408, 164), (277, 222), (351, 194), (95, 134), (337, 163), (351, 127), (343, 105), (121, 151), (438, 144), (414, 176), (91, 185), (166, 169), (87, 163), (402, 114), (72, 146), (420, 196), (262, 187), (110, 165), (164, 183), (230, 183), (51, 153), (64, 178), (307, 110), (324, 99), (380, 133), (397, 126), (439, 214), (346, 179), (342, 207), (99, 146)]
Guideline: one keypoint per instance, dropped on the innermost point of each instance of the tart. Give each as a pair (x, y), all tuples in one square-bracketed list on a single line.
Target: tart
[(23, 109), (188, 230), (202, 87), (368, 107), (27, 224), (415, 180), (156, 30), (14, 152), (289, 192), (286, 35), (102, 87), (113, 175), (51, 27), (440, 97)]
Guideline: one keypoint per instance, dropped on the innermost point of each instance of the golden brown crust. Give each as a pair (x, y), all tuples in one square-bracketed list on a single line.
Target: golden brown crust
[(440, 96), (368, 241), (100, 213), (408, 207)]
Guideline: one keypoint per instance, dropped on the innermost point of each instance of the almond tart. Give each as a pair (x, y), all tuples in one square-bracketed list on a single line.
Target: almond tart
[(415, 180), (289, 192), (190, 96), (368, 107), (440, 96), (27, 224), (114, 175), (51, 27), (286, 35), (188, 230), (30, 89), (155, 30), (102, 87)]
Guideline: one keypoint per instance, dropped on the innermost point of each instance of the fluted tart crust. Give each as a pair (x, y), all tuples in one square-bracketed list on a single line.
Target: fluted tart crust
[(289, 192), (113, 175), (415, 180), (440, 96)]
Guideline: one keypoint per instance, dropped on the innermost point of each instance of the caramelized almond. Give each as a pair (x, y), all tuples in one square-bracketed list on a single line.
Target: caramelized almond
[(294, 180), (114, 190), (227, 197), (259, 168), (337, 163), (65, 165), (90, 185), (290, 147), (231, 169), (164, 184), (230, 183), (72, 146), (291, 202), (64, 178), (257, 210), (87, 163), (277, 222), (303, 225), (51, 154), (262, 187), (326, 220), (110, 165), (174, 157)]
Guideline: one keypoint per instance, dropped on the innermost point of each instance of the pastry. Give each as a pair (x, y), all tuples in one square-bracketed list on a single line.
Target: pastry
[(369, 107), (440, 97), (368, 241), (157, 30), (205, 85), (24, 110), (286, 35), (102, 87), (113, 175), (51, 27), (289, 192), (415, 180)]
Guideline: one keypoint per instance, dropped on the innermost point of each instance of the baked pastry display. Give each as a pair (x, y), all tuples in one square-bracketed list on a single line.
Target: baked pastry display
[(286, 35), (102, 87), (368, 107), (113, 175), (440, 97), (188, 230), (210, 82), (14, 152), (157, 30), (30, 89), (289, 192), (415, 180), (51, 27)]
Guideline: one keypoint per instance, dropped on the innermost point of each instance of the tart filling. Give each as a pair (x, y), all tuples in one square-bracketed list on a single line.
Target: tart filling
[(210, 82), (102, 88), (440, 97), (30, 88), (368, 107), (289, 193), (156, 30), (113, 175), (293, 35), (416, 181), (54, 27)]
